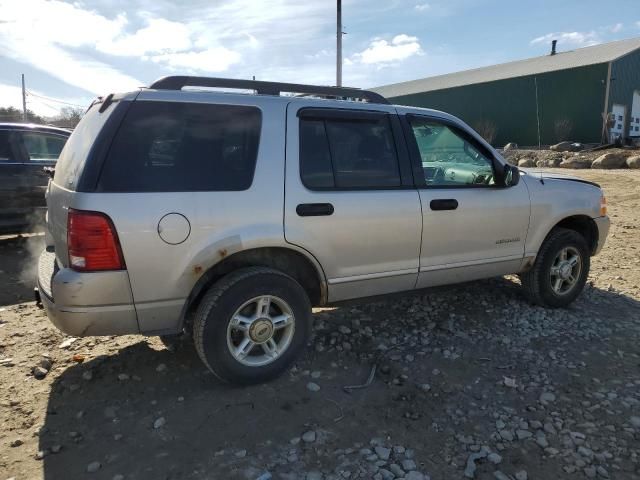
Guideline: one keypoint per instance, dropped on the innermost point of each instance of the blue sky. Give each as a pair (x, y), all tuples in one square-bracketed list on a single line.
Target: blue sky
[(73, 51)]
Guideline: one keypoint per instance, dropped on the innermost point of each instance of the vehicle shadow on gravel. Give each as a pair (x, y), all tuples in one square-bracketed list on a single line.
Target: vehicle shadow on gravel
[(18, 266), (146, 413)]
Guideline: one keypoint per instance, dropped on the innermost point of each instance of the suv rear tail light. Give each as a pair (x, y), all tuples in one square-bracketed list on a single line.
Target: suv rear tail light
[(92, 242)]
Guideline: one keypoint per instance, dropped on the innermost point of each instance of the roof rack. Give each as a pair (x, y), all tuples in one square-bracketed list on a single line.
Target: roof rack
[(266, 88)]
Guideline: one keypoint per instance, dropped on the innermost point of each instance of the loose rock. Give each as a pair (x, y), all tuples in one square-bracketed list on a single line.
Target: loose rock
[(313, 387), (159, 423), (309, 437)]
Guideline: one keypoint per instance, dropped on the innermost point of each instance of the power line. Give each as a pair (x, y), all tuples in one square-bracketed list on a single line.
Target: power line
[(54, 100), (47, 105)]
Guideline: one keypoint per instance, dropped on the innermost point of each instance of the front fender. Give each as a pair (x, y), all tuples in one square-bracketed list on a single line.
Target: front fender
[(553, 200)]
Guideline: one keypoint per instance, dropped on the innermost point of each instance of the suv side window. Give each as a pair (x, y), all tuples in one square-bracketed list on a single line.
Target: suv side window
[(348, 153), (6, 155), (183, 147), (449, 158), (11, 147), (43, 147)]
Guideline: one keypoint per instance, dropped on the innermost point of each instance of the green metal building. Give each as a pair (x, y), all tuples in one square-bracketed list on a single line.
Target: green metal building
[(541, 100)]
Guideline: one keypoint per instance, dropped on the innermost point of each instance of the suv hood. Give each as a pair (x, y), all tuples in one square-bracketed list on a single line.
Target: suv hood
[(555, 176)]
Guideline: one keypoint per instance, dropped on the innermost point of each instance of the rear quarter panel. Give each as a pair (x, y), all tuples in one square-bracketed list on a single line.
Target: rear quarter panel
[(162, 275)]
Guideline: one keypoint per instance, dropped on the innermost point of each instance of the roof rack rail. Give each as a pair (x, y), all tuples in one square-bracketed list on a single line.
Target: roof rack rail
[(266, 88)]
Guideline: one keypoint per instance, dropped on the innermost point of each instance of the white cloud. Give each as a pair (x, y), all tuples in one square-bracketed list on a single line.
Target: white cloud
[(616, 28), (159, 35), (422, 7), (381, 51), (574, 39), (45, 34), (213, 60), (60, 38)]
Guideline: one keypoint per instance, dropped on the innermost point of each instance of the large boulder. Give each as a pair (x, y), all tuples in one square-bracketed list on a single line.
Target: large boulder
[(567, 147), (576, 163), (610, 160), (511, 156), (551, 161), (633, 162), (526, 162)]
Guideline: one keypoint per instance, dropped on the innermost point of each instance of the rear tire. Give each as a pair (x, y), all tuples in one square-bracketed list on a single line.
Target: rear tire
[(560, 270), (251, 325)]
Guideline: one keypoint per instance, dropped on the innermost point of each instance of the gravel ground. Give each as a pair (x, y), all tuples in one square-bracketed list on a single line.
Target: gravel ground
[(470, 382)]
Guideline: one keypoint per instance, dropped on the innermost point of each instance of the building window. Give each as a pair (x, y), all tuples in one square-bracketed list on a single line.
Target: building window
[(637, 129), (620, 117), (619, 126)]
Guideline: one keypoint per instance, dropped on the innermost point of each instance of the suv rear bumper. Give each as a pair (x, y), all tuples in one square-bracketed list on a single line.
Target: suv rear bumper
[(83, 304), (603, 224)]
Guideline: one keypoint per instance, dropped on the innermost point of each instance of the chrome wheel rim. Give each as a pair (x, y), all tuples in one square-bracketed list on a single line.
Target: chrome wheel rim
[(565, 270), (260, 331)]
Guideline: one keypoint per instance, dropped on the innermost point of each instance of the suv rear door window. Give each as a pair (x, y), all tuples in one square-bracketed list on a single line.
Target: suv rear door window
[(43, 147), (183, 147), (348, 153), (6, 153), (11, 147)]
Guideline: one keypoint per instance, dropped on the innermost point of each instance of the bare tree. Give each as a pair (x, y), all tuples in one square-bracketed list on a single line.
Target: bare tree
[(68, 117), (563, 128), (487, 129)]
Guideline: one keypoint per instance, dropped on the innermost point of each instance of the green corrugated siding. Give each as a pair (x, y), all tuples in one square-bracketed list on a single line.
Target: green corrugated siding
[(576, 95), (625, 78)]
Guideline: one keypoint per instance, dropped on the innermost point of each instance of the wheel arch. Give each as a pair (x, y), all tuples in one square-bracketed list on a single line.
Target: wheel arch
[(582, 224), (298, 265)]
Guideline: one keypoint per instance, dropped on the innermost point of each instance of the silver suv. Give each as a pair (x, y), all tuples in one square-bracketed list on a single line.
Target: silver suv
[(229, 215)]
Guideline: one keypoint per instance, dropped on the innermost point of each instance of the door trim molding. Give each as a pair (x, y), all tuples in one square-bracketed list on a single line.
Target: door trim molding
[(372, 276), (470, 263)]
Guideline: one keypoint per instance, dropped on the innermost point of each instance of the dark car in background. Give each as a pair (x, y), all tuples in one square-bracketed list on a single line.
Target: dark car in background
[(25, 149)]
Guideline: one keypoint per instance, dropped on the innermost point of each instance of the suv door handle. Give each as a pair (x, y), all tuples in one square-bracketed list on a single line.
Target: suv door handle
[(314, 209), (444, 204)]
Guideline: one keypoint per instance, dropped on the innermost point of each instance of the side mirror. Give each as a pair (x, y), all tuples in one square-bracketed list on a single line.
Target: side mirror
[(511, 176)]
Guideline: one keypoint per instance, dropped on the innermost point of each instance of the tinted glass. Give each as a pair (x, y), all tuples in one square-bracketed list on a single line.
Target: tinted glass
[(315, 165), (76, 150), (348, 153), (183, 147), (449, 158), (6, 153), (43, 146), (11, 147)]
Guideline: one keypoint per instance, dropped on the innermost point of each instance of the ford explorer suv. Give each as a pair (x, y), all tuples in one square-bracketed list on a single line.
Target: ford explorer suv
[(25, 151), (225, 215)]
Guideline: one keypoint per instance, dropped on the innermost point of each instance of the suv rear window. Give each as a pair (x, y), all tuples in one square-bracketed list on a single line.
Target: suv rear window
[(75, 152), (354, 153), (183, 147)]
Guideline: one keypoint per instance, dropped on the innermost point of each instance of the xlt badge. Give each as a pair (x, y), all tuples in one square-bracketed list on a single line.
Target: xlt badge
[(507, 240)]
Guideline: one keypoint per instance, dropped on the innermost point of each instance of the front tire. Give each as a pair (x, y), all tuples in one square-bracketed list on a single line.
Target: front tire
[(560, 270), (251, 325)]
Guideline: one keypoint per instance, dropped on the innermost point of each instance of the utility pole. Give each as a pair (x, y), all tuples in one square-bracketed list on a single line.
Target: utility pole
[(339, 45), (24, 101)]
